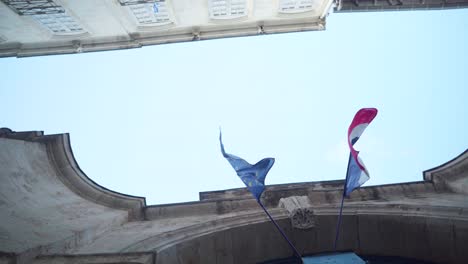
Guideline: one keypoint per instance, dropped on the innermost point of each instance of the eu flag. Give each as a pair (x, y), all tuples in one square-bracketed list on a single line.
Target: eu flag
[(253, 176)]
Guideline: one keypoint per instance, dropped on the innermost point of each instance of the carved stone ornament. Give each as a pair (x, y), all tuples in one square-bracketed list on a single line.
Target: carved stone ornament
[(299, 210), (5, 131)]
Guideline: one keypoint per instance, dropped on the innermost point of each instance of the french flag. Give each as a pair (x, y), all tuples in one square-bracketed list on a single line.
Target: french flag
[(357, 173)]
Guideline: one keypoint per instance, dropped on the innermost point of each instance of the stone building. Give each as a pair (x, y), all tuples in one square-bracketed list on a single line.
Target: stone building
[(46, 27), (51, 212)]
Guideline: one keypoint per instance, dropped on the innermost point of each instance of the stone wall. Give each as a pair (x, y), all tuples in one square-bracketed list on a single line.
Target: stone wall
[(50, 212)]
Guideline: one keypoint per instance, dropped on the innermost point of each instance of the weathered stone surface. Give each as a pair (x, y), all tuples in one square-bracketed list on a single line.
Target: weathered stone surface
[(452, 175), (7, 258), (239, 193), (36, 208), (50, 212), (120, 28), (398, 5), (133, 258), (299, 210)]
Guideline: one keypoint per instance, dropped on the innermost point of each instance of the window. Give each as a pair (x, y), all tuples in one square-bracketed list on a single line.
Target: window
[(60, 23), (135, 2), (151, 14), (295, 6), (227, 9), (33, 7), (47, 13)]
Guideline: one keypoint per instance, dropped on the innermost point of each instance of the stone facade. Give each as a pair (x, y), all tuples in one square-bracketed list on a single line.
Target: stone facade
[(34, 29), (51, 212), (397, 5), (300, 211)]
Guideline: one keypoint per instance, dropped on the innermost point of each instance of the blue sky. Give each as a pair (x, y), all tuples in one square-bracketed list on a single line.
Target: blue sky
[(145, 121)]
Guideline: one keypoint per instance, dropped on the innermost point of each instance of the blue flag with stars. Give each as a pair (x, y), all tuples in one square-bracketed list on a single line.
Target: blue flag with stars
[(253, 176)]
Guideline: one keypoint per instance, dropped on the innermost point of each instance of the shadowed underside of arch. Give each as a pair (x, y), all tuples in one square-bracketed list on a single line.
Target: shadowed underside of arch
[(426, 238)]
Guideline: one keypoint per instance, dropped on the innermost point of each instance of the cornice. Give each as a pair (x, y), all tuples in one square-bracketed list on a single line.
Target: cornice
[(165, 240), (439, 179), (168, 239), (452, 175)]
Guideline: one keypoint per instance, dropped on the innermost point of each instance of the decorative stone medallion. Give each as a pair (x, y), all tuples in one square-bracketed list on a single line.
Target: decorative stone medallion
[(299, 210)]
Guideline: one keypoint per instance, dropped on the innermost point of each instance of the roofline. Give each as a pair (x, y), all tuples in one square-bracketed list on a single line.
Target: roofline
[(428, 175), (141, 39), (69, 172)]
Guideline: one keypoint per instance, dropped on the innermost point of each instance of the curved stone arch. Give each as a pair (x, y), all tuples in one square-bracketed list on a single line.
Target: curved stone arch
[(172, 238), (425, 220), (426, 234), (61, 155), (130, 258), (452, 175)]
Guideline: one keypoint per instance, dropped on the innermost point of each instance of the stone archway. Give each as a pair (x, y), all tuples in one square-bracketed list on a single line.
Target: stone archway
[(420, 237)]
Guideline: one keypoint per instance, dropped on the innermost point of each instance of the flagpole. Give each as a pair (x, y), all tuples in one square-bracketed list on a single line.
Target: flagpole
[(281, 231), (341, 207)]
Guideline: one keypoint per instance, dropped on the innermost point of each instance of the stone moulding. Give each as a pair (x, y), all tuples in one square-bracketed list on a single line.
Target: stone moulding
[(61, 156), (299, 210), (452, 175), (168, 239), (140, 39), (229, 220), (176, 241), (23, 135), (118, 258), (198, 208)]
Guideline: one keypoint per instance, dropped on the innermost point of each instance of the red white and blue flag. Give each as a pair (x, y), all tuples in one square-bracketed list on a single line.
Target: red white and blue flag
[(357, 173)]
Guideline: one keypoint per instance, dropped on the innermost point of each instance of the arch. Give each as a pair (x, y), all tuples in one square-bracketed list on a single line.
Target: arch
[(61, 156), (432, 237)]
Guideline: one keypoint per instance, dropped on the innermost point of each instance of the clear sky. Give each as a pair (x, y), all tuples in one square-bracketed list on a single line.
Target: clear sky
[(145, 121)]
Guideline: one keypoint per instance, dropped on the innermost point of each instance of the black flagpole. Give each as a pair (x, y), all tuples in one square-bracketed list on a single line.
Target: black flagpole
[(281, 231), (341, 207)]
